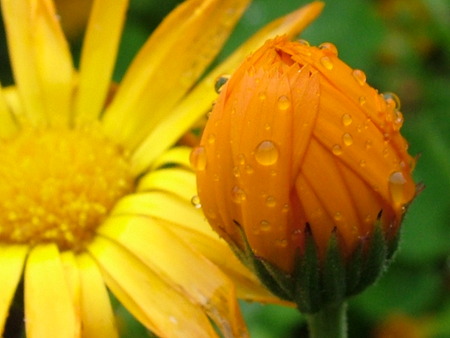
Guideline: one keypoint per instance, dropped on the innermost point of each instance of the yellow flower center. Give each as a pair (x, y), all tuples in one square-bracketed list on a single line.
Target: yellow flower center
[(58, 185)]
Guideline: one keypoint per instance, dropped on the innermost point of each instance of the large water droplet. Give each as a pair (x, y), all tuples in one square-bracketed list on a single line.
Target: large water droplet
[(329, 47), (238, 195), (198, 158), (303, 42), (347, 139), (359, 76), (392, 99), (266, 153), (397, 187), (346, 120), (220, 82), (336, 149), (326, 62), (284, 103), (195, 201)]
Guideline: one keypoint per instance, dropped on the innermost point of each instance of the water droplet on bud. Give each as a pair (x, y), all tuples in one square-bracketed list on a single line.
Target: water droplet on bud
[(392, 99), (195, 201), (238, 195), (346, 120), (347, 139), (265, 225), (336, 149), (329, 47), (271, 201), (266, 153), (359, 76), (283, 102), (220, 82), (326, 62), (397, 187), (198, 158)]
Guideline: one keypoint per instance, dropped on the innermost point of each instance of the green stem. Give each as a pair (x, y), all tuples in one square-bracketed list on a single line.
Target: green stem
[(330, 322)]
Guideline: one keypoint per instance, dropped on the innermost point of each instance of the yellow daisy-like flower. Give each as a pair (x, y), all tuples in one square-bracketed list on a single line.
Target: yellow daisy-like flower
[(93, 195)]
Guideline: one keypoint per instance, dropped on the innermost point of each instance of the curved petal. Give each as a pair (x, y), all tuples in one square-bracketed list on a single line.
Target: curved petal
[(72, 274), (40, 58), (96, 312), (199, 100), (12, 258), (7, 124), (176, 155), (168, 65), (184, 269), (146, 296), (49, 310), (166, 207), (98, 57), (177, 181)]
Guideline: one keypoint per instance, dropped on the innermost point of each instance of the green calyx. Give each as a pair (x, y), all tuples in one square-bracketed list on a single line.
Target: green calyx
[(316, 284)]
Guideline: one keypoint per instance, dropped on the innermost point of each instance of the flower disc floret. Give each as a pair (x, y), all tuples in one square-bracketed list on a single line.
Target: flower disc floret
[(58, 185)]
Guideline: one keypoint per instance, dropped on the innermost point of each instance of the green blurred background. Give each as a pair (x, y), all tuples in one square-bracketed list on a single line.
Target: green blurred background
[(404, 47)]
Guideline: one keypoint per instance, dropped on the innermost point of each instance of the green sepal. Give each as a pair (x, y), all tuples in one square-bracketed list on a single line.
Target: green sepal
[(334, 286), (260, 267), (354, 269), (308, 291), (374, 260)]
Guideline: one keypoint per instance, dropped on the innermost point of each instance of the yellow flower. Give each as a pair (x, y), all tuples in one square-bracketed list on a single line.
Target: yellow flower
[(94, 197), (299, 146)]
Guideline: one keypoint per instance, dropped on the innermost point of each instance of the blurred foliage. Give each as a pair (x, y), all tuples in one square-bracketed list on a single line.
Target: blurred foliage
[(404, 47)]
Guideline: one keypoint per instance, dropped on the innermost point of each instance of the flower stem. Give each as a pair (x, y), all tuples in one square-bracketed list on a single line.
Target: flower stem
[(330, 322)]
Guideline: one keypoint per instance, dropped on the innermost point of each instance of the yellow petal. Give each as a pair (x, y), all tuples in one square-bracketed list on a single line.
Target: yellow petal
[(7, 124), (199, 100), (96, 311), (168, 65), (182, 268), (217, 251), (98, 57), (40, 59), (176, 155), (174, 180), (160, 308), (72, 274), (163, 206), (12, 258), (49, 310)]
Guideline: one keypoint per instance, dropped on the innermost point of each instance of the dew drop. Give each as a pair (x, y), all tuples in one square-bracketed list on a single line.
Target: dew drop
[(262, 96), (347, 120), (347, 139), (336, 149), (271, 201), (397, 187), (220, 82), (195, 201), (265, 225), (282, 243), (211, 138), (285, 208), (236, 171), (392, 99), (337, 216), (303, 42), (284, 103), (198, 158), (368, 144), (266, 153), (362, 100), (241, 159), (249, 169), (329, 47), (326, 62), (362, 163), (359, 76), (238, 195)]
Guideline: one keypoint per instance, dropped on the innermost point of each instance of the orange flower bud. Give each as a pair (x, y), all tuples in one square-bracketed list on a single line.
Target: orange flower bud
[(298, 145)]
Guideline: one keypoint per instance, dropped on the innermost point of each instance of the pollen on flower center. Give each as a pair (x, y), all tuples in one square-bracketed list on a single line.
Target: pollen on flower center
[(57, 185)]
